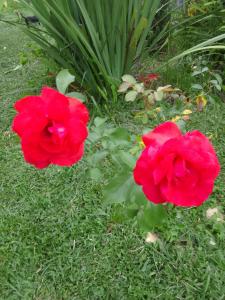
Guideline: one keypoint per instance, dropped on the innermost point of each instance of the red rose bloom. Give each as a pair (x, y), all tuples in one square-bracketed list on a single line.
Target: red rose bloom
[(176, 168), (52, 128)]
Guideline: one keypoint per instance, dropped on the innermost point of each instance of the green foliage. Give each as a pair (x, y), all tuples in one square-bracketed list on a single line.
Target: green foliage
[(151, 216), (200, 27), (121, 193), (201, 20), (98, 41), (159, 35), (211, 44), (206, 19), (211, 81)]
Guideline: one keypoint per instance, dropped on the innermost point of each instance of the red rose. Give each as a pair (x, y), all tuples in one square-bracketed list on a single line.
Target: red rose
[(176, 168), (52, 128)]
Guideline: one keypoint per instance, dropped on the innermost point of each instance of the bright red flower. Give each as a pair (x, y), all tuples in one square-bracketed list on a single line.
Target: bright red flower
[(176, 168), (146, 79), (152, 76), (52, 128)]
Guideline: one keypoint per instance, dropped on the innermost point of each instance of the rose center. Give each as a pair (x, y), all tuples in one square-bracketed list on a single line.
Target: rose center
[(179, 167), (57, 132)]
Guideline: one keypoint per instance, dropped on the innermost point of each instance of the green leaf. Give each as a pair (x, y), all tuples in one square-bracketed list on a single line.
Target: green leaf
[(216, 84), (119, 137), (138, 196), (99, 121), (119, 189), (197, 87), (151, 216), (131, 96), (93, 137), (97, 157), (123, 158), (203, 70), (204, 46), (123, 213), (211, 99), (218, 87), (181, 124), (127, 158), (78, 96), (218, 78), (95, 174), (63, 80)]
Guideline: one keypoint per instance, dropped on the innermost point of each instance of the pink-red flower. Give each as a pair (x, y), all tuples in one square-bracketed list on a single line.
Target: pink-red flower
[(175, 168), (147, 79), (52, 128)]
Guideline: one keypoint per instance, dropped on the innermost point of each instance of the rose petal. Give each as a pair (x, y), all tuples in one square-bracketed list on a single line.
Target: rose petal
[(70, 157), (161, 134), (33, 154), (179, 167), (24, 122), (79, 109), (30, 104), (57, 104)]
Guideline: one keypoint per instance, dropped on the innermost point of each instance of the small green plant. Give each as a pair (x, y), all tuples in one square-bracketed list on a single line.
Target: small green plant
[(208, 82)]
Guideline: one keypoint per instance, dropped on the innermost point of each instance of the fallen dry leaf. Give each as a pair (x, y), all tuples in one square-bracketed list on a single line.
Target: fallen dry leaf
[(186, 118), (175, 119), (187, 112), (201, 102), (151, 238), (214, 211), (212, 242), (7, 133), (158, 109)]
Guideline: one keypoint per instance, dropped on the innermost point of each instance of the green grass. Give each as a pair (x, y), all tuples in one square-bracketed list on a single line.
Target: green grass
[(55, 241)]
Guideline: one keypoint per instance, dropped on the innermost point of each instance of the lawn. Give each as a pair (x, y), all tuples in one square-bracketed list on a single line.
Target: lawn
[(57, 243)]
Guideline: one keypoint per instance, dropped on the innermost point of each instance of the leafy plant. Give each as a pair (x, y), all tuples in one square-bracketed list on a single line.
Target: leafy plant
[(211, 82), (145, 90), (97, 40), (120, 148)]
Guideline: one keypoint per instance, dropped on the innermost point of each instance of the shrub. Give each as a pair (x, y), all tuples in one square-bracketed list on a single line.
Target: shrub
[(98, 40)]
